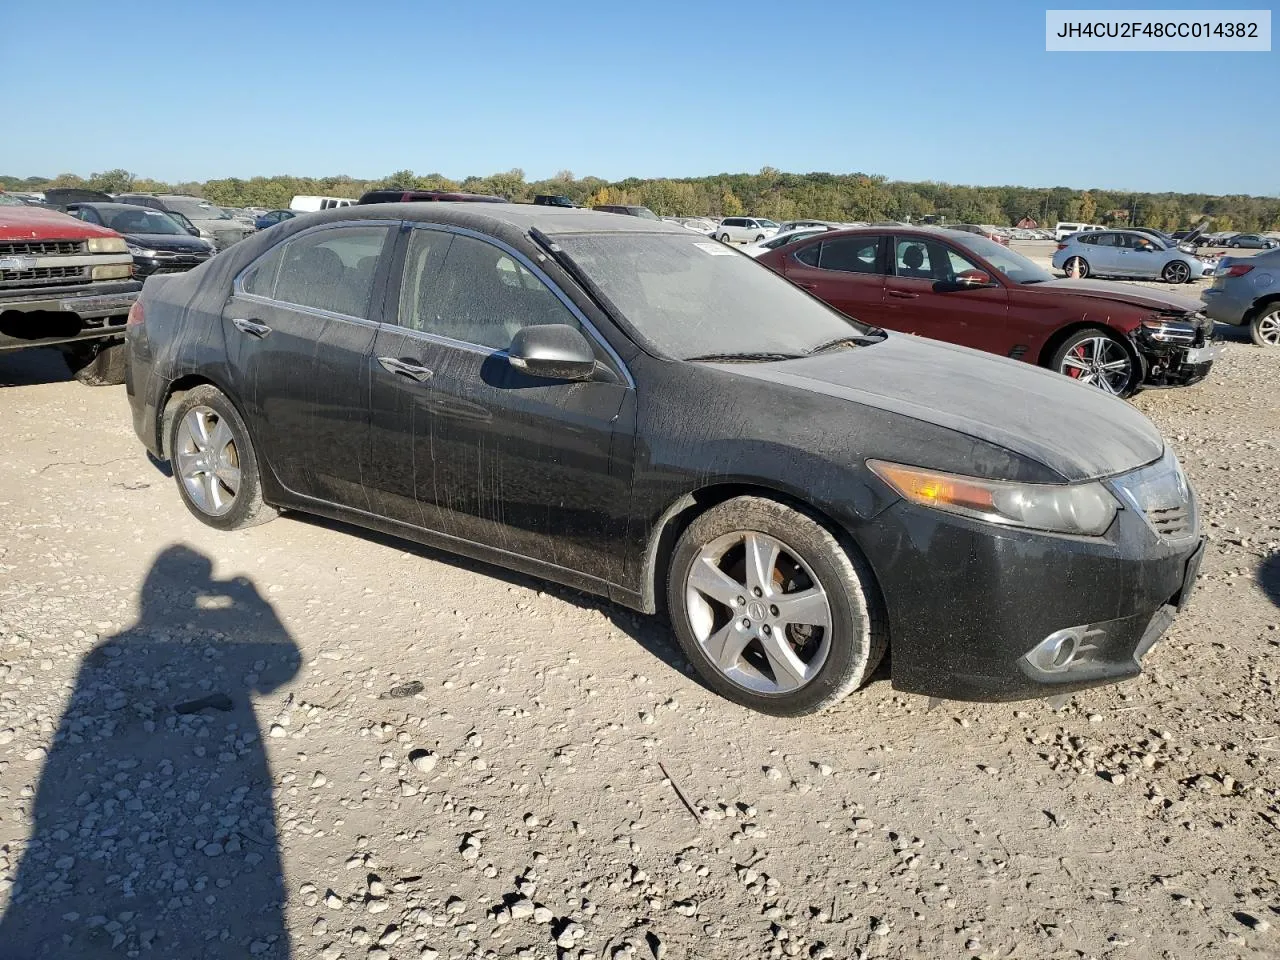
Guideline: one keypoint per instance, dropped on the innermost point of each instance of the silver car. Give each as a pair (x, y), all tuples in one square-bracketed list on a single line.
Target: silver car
[(213, 223), (1246, 292), (1128, 253)]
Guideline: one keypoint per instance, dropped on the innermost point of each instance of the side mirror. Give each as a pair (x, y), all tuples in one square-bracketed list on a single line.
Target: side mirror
[(972, 278), (555, 351)]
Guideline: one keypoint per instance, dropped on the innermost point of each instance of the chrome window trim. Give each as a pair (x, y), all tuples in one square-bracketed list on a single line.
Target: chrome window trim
[(237, 285), (533, 268)]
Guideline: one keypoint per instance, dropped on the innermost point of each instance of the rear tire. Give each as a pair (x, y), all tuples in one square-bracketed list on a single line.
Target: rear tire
[(97, 364), (818, 632), (1082, 263), (723, 238), (1265, 327), (214, 463)]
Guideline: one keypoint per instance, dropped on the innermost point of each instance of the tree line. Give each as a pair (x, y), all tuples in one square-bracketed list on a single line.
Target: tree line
[(769, 193)]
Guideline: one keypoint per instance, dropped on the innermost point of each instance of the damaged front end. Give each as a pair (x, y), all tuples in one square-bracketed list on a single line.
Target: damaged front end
[(1176, 348)]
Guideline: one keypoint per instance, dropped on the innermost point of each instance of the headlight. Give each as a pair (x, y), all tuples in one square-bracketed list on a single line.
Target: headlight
[(1169, 331), (138, 251), (112, 271), (1085, 508), (108, 245)]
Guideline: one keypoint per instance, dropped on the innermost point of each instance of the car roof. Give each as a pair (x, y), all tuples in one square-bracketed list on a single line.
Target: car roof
[(521, 216), (102, 205)]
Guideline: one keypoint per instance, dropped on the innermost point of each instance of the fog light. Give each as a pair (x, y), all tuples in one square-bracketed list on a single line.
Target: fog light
[(1064, 649)]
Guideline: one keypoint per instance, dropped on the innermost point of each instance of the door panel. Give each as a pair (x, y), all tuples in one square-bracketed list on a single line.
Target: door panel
[(478, 450), (302, 370), (920, 298)]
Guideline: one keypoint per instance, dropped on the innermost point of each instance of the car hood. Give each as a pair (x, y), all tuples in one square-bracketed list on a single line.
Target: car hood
[(168, 241), (41, 223), (1117, 293), (1076, 431), (218, 225)]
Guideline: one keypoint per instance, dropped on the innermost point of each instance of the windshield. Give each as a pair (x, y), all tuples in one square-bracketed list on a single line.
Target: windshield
[(1013, 265), (141, 220), (767, 223), (645, 213), (693, 298), (194, 209)]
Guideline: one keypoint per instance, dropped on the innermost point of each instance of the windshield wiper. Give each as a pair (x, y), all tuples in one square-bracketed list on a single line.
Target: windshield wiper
[(744, 357), (874, 335)]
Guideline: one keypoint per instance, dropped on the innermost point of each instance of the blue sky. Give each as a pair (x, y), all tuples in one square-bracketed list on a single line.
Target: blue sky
[(963, 93)]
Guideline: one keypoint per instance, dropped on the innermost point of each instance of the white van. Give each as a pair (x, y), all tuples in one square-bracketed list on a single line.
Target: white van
[(312, 204), (1063, 230)]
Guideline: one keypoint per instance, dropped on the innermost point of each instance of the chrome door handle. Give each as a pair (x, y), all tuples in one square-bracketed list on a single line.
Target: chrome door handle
[(903, 295), (411, 370), (252, 328)]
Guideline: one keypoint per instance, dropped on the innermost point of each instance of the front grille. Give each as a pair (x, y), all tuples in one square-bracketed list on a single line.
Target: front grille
[(41, 248), (42, 275), (1172, 523)]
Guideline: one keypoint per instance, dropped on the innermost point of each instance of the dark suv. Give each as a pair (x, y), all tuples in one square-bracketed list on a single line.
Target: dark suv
[(418, 196)]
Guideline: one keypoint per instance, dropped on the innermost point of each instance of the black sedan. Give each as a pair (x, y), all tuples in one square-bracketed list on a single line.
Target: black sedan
[(158, 242), (622, 406)]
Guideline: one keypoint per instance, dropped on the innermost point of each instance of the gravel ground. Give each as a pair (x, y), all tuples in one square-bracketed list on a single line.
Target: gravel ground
[(305, 741)]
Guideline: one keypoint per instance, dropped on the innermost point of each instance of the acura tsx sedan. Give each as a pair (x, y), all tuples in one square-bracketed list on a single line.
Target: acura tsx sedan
[(638, 412)]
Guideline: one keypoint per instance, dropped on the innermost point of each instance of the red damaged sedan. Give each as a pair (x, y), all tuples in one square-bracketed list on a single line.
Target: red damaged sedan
[(965, 289)]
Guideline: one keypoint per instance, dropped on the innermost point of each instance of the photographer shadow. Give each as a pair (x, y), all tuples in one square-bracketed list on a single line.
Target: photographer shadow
[(154, 828)]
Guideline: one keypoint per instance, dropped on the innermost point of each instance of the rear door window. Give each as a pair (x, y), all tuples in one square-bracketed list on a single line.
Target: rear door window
[(330, 270), (851, 254)]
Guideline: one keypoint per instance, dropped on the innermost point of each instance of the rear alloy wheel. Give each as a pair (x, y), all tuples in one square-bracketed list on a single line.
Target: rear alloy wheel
[(1265, 328), (773, 612), (214, 462), (1098, 359), (1076, 263), (723, 238), (1175, 271)]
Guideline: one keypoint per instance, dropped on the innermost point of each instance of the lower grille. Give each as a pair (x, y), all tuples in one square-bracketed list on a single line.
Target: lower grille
[(41, 248), (42, 275), (1172, 523)]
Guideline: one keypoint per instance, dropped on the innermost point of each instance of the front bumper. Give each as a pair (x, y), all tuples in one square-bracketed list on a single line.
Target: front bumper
[(144, 267), (969, 603), (53, 315), (1168, 363)]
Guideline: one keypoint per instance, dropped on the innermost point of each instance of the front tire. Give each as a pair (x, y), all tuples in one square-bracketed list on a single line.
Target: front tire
[(214, 462), (772, 610), (1265, 327), (97, 364), (1175, 271), (1098, 359), (1080, 263)]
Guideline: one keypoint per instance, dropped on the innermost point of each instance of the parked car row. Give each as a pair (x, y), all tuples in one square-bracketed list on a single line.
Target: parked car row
[(670, 425)]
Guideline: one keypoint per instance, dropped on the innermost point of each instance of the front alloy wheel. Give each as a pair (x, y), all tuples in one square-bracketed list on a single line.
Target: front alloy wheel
[(773, 611), (1176, 272), (758, 612), (1098, 360)]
